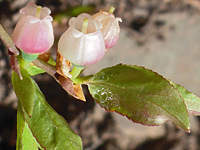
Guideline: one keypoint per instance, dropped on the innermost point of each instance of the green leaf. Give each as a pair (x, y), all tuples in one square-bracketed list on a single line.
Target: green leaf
[(24, 90), (29, 142), (75, 11), (25, 139), (20, 127), (192, 101), (49, 128), (51, 61), (139, 94), (30, 68)]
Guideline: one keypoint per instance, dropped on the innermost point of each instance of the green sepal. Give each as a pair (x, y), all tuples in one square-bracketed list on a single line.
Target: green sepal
[(29, 57), (29, 66)]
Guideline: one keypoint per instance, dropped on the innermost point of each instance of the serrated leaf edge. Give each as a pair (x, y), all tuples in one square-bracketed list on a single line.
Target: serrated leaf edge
[(184, 127)]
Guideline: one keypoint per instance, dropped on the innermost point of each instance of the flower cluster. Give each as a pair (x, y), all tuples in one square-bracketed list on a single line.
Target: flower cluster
[(84, 42)]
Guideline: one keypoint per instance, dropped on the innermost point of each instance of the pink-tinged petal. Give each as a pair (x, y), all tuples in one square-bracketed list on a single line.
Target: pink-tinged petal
[(80, 48), (36, 38), (110, 27), (32, 34), (111, 43), (29, 9)]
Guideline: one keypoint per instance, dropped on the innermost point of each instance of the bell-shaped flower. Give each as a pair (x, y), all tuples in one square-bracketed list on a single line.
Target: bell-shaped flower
[(34, 31), (82, 43), (110, 27)]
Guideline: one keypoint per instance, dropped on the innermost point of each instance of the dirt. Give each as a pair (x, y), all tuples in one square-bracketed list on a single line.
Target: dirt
[(162, 35)]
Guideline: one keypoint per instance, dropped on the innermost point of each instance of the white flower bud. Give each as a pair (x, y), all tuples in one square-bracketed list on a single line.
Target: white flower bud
[(82, 48)]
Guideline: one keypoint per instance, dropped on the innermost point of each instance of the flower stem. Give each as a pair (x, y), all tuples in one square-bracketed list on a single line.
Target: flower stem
[(112, 9), (38, 11), (51, 70), (85, 25), (76, 71)]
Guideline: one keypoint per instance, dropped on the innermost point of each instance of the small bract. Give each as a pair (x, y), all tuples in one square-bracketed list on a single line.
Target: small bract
[(82, 43), (34, 32), (110, 27)]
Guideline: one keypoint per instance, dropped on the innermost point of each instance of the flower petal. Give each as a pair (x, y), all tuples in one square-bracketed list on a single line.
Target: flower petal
[(80, 48)]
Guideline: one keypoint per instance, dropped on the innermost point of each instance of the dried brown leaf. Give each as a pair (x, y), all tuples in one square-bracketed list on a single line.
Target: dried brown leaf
[(45, 56), (63, 66), (79, 92), (74, 90), (66, 83)]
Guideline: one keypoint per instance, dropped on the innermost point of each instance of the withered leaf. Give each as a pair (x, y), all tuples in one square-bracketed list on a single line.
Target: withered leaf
[(66, 83), (74, 90), (63, 66), (45, 56)]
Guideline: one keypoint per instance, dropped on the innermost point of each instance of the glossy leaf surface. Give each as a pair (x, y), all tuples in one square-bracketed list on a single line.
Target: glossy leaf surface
[(139, 94), (49, 128)]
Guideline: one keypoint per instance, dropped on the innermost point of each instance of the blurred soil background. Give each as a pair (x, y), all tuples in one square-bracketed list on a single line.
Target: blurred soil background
[(162, 35)]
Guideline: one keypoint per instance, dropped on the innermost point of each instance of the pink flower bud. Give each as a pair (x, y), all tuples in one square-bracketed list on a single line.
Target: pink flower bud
[(34, 32), (110, 28), (80, 47)]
